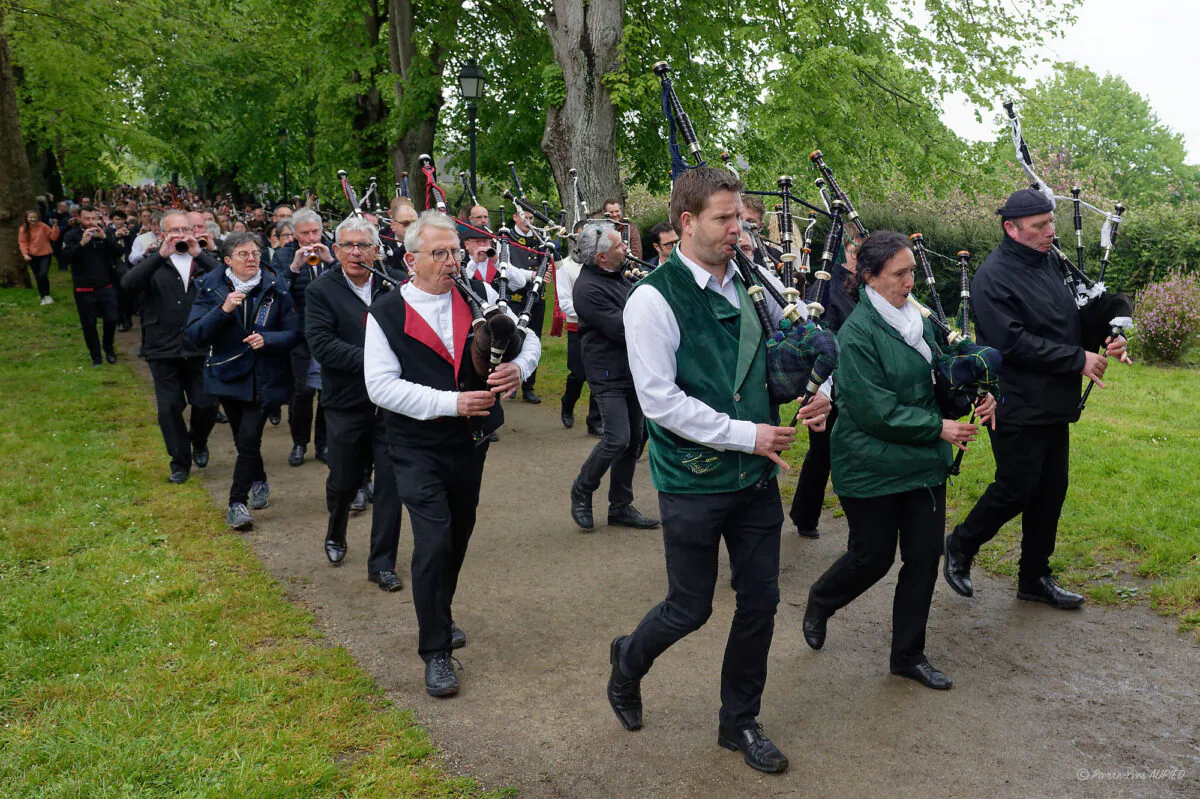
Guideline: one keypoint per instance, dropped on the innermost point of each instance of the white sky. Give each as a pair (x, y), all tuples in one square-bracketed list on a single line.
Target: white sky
[(1152, 44)]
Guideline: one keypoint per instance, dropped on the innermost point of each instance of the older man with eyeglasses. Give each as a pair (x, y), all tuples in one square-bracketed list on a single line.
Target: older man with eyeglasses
[(440, 414), (333, 325)]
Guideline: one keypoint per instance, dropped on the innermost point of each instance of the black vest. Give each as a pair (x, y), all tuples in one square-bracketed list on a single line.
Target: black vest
[(422, 364)]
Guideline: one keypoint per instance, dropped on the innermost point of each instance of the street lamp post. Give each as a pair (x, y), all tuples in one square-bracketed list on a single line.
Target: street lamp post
[(470, 83)]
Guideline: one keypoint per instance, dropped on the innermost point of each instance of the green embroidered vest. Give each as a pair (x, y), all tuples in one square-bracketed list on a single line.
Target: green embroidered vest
[(722, 362)]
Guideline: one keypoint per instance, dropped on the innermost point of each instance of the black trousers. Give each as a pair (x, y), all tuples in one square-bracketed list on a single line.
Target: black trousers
[(575, 381), (617, 449), (300, 408), (440, 489), (1031, 479), (537, 319), (814, 476), (179, 382), (40, 266), (98, 304), (246, 422), (693, 526), (356, 439), (918, 518)]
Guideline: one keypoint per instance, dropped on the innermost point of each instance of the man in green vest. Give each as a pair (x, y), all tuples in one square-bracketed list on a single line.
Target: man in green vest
[(698, 358)]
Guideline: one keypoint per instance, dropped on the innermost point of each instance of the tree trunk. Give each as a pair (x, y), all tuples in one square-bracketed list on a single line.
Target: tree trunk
[(370, 111), (419, 89), (16, 182), (581, 134)]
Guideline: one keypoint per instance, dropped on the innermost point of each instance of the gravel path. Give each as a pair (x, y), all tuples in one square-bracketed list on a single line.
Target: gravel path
[(1041, 697)]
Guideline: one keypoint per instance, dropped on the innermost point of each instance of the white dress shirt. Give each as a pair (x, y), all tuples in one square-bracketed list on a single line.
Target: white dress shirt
[(652, 336), (565, 274), (382, 371), (517, 278), (138, 250), (183, 265)]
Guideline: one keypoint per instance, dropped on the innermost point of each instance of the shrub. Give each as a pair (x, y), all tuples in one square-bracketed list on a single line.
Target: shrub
[(1168, 317)]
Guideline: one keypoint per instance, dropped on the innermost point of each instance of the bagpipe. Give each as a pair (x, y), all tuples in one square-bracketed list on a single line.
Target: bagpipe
[(801, 356), (550, 228), (1101, 312)]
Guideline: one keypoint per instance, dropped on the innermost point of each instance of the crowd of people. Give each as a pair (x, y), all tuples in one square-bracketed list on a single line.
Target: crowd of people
[(363, 330)]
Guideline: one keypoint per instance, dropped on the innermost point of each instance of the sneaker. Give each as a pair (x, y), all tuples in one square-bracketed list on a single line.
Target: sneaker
[(47, 300), (238, 517), (440, 679), (260, 496)]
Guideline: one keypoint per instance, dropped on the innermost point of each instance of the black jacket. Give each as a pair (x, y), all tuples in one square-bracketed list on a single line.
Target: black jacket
[(1024, 310), (93, 265), (166, 304), (599, 298), (232, 369), (838, 303), (335, 326)]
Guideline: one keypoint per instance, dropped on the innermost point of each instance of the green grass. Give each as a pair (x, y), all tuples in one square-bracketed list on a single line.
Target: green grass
[(144, 650), (1130, 530)]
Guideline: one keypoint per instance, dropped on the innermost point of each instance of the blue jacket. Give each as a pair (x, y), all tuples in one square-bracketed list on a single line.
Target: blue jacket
[(231, 368)]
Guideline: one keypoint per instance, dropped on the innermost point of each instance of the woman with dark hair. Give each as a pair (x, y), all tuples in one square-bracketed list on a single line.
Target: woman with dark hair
[(35, 238), (246, 319), (892, 451)]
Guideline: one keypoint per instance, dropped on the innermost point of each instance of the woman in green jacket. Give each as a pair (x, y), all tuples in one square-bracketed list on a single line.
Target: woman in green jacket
[(891, 454)]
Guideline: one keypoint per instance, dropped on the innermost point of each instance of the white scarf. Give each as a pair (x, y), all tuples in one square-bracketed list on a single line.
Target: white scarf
[(906, 321), (244, 286)]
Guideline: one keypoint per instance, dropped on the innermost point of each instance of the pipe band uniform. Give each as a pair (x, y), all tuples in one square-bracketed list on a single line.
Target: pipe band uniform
[(439, 412)]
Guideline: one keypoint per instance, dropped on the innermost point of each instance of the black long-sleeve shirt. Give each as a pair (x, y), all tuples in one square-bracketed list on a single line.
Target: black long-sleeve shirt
[(93, 265), (599, 297)]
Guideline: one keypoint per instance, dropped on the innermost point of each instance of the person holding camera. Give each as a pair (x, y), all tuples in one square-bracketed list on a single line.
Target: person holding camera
[(93, 253), (167, 281)]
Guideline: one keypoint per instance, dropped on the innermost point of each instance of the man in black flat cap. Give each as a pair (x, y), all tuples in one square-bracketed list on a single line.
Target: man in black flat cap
[(1025, 309)]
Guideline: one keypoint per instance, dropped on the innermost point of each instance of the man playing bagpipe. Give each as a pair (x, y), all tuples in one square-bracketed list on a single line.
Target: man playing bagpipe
[(697, 354), (440, 413), (481, 261), (1024, 309)]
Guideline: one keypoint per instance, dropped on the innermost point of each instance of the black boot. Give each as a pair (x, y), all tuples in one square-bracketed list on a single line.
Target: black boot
[(957, 568), (581, 508), (624, 693), (1044, 589), (756, 748)]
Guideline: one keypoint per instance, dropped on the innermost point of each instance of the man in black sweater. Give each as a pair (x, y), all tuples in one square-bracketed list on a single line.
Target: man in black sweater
[(166, 281), (599, 297), (93, 254), (1024, 309), (334, 324)]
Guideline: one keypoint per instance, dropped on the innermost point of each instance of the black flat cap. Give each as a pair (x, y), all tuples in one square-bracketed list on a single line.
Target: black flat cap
[(1025, 202)]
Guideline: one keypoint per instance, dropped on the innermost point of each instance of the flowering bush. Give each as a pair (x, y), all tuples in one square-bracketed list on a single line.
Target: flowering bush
[(1168, 317)]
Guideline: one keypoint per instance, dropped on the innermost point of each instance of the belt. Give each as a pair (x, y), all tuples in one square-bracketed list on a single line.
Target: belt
[(80, 290)]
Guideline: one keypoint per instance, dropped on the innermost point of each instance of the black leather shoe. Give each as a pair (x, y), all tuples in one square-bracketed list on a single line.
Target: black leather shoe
[(178, 477), (756, 748), (957, 569), (440, 679), (97, 362), (386, 580), (926, 675), (275, 417), (296, 457), (581, 508), (814, 626), (807, 532), (1044, 589), (200, 457), (568, 420), (630, 516), (624, 693), (335, 551), (458, 639), (222, 418), (360, 501), (111, 357), (596, 432), (323, 453), (528, 395)]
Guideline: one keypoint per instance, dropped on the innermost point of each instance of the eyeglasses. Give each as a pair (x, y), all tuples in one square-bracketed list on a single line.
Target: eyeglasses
[(352, 246), (246, 254), (442, 256), (669, 244)]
